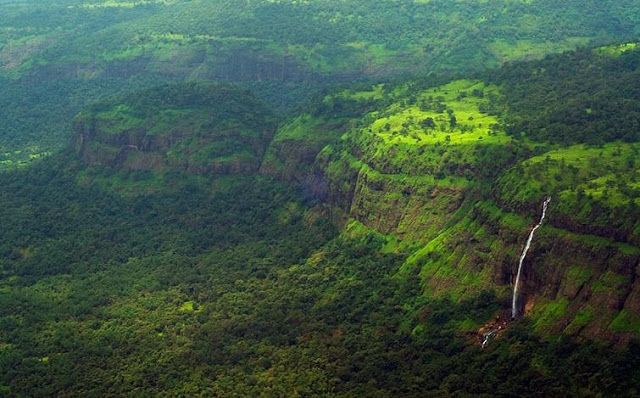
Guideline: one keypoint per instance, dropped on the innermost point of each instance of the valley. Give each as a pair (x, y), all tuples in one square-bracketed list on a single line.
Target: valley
[(319, 198)]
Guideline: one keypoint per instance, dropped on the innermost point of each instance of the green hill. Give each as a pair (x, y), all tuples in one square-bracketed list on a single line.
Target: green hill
[(451, 180), (58, 56), (196, 127), (189, 242)]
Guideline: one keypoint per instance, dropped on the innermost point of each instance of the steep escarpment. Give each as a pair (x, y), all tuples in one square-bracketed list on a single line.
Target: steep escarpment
[(434, 168), (595, 186), (197, 127), (572, 283), (441, 172), (408, 165)]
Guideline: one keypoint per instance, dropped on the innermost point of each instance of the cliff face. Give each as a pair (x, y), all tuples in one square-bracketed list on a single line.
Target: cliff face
[(197, 128), (292, 152), (430, 168), (579, 284), (595, 189), (461, 198)]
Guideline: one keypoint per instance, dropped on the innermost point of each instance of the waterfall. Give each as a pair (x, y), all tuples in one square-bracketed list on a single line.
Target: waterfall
[(487, 337), (514, 305)]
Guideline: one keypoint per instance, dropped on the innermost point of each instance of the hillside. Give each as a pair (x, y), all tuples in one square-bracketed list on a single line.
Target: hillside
[(201, 128), (185, 243), (454, 175), (58, 56)]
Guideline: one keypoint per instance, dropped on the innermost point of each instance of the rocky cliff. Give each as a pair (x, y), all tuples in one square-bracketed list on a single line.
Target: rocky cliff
[(433, 170), (201, 128)]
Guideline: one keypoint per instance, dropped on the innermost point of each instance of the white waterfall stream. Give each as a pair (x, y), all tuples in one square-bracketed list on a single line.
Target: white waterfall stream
[(516, 288), (487, 337)]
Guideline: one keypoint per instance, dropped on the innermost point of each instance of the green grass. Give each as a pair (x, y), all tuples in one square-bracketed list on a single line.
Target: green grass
[(578, 275), (510, 50), (546, 315), (438, 132), (626, 322), (603, 173), (598, 186), (582, 318), (609, 282), (402, 124), (616, 50)]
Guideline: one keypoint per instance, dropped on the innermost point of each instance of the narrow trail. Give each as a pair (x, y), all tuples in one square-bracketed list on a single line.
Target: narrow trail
[(516, 288)]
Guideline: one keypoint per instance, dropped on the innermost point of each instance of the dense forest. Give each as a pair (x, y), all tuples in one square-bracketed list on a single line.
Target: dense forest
[(319, 198), (56, 56), (576, 98), (191, 292)]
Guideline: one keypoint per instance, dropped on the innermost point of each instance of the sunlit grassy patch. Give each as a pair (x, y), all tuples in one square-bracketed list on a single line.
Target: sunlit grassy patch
[(448, 114), (188, 307), (19, 158), (606, 174), (615, 50), (440, 131), (547, 314)]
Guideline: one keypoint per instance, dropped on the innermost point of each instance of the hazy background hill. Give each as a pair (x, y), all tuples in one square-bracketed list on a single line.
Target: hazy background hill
[(56, 56)]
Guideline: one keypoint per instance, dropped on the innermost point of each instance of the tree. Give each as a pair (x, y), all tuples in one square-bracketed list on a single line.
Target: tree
[(453, 122), (428, 123)]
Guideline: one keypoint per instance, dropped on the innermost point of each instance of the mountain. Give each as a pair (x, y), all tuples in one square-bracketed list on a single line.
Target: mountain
[(57, 56), (186, 243), (455, 174), (200, 128)]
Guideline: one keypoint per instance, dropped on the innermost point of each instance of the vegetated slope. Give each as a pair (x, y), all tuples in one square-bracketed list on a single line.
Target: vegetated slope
[(452, 175), (118, 278), (225, 287), (202, 128), (98, 287), (56, 57), (577, 98), (598, 105)]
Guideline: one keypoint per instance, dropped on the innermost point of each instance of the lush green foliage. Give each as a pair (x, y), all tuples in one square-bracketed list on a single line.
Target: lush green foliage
[(432, 166), (198, 127), (194, 292), (578, 97), (57, 56), (186, 244), (596, 187)]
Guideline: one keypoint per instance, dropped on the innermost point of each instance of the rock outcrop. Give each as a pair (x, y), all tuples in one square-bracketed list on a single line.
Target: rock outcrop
[(464, 227), (200, 128)]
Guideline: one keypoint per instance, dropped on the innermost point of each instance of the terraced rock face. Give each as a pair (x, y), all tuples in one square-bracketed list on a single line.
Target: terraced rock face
[(201, 128), (597, 188), (433, 171)]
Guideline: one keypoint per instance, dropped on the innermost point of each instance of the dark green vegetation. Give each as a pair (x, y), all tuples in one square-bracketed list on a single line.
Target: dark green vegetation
[(221, 301), (55, 56), (185, 245), (202, 128), (95, 284), (576, 98), (318, 198)]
